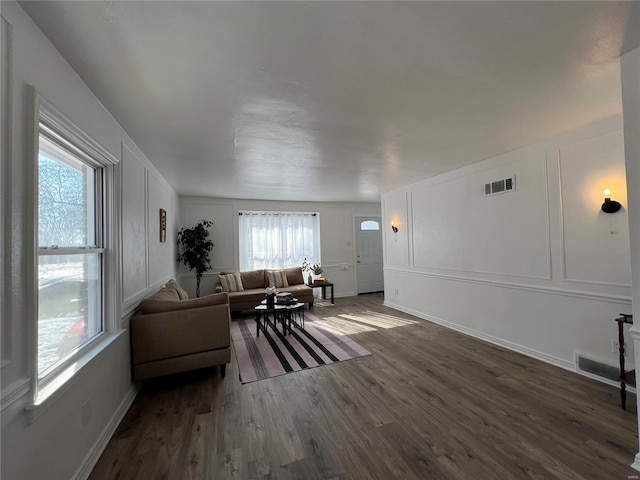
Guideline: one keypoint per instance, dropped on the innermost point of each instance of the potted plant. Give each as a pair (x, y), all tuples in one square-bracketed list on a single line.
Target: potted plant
[(194, 247), (316, 268)]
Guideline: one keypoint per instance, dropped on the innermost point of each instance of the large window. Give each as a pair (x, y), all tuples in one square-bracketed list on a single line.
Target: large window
[(278, 239), (71, 253)]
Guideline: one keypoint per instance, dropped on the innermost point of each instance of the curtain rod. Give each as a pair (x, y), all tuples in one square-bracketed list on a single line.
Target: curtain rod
[(278, 213)]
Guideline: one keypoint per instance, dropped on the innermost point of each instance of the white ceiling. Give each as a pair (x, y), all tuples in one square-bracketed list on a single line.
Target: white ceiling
[(340, 101)]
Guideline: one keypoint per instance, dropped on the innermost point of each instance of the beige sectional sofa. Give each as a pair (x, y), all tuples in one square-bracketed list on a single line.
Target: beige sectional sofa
[(255, 282), (173, 333)]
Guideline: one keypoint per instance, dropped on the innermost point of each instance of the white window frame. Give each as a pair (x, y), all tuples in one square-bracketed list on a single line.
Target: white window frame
[(57, 380), (6, 119)]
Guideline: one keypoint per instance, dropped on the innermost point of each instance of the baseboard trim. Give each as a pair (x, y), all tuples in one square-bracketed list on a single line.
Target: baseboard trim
[(93, 456), (636, 463), (558, 362)]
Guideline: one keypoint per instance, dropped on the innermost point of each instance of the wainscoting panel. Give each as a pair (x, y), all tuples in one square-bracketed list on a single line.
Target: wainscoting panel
[(134, 232), (395, 210), (159, 197), (592, 239), (457, 227), (545, 323)]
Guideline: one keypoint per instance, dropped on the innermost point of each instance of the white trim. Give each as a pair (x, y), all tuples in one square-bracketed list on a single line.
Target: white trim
[(356, 228), (31, 240), (636, 463), (43, 251), (92, 457), (487, 272), (594, 282), (55, 120), (411, 237), (548, 216), (6, 320), (345, 294), (14, 391), (57, 125), (605, 297), (147, 234), (563, 251)]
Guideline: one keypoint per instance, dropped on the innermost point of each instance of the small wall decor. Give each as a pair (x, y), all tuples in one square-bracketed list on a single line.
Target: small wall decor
[(163, 225)]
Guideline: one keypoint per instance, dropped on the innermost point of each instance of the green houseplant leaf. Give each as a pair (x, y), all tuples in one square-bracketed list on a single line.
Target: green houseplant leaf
[(194, 247)]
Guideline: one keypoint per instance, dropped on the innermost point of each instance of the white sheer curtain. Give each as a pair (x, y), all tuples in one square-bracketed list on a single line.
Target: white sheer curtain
[(275, 240)]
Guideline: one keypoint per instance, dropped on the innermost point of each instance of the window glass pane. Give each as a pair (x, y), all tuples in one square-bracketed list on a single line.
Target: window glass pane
[(66, 205), (369, 225), (69, 305)]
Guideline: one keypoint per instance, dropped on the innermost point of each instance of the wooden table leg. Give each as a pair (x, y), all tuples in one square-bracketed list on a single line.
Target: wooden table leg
[(257, 323), (623, 376)]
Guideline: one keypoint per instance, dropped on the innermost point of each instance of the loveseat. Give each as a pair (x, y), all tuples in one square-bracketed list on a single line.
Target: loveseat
[(247, 289), (172, 333)]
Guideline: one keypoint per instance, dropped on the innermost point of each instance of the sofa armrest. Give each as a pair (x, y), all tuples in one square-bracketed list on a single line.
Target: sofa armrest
[(158, 306), (171, 334)]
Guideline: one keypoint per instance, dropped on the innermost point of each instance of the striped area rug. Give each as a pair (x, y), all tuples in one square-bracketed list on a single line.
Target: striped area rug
[(273, 354)]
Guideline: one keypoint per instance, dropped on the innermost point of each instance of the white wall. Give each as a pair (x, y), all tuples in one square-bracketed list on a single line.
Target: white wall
[(57, 445), (540, 270), (336, 230)]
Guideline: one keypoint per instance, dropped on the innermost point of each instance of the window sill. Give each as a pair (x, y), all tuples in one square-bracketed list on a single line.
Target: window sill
[(68, 377)]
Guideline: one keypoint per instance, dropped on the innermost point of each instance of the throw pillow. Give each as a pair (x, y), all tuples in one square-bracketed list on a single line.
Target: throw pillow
[(278, 278), (231, 282), (294, 275), (182, 295)]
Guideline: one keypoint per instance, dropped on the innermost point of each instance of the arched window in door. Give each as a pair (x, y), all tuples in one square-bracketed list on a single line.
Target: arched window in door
[(369, 225)]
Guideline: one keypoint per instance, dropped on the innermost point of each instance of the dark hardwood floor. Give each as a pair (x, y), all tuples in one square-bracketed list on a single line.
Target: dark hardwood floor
[(430, 403)]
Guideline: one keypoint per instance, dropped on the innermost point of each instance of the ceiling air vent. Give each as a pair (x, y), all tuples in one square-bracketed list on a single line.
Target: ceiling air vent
[(500, 186)]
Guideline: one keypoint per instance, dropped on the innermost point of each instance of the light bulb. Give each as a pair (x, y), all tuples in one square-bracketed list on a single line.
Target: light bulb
[(607, 192)]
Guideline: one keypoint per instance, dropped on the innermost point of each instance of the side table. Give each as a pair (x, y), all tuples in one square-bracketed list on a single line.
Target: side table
[(324, 289)]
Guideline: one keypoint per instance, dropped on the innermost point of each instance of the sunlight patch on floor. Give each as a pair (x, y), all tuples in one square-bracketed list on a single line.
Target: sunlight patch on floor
[(380, 320), (366, 322), (348, 327)]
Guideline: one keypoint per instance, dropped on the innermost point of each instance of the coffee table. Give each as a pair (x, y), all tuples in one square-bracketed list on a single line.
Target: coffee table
[(295, 315), (285, 314), (262, 317)]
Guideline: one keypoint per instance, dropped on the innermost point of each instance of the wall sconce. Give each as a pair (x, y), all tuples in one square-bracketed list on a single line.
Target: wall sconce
[(610, 206), (394, 228)]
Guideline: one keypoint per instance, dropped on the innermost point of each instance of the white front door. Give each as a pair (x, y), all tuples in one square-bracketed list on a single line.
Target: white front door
[(369, 254)]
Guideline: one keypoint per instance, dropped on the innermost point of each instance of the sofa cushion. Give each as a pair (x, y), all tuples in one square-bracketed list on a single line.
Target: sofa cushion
[(294, 275), (182, 295), (231, 282), (253, 296), (253, 279), (277, 278), (154, 305)]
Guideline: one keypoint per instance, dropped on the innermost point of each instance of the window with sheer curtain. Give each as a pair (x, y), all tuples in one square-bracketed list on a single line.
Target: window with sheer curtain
[(274, 240)]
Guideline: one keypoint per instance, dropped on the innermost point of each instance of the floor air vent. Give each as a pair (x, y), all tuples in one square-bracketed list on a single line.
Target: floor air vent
[(500, 186), (600, 369)]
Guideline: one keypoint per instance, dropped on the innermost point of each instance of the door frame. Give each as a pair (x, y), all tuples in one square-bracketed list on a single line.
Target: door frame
[(355, 245)]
